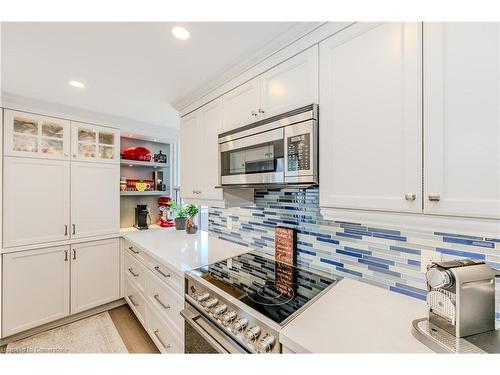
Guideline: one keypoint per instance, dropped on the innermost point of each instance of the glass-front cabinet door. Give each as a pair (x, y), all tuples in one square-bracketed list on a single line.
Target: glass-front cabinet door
[(31, 135), (94, 143)]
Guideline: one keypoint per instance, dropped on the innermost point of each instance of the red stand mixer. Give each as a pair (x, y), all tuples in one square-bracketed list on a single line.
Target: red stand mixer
[(165, 220)]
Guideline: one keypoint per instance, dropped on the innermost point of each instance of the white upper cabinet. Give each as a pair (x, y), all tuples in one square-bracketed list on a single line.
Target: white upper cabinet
[(94, 143), (95, 201), (36, 136), (95, 274), (210, 125), (241, 105), (370, 118), (36, 201), (190, 143), (290, 85), (462, 119)]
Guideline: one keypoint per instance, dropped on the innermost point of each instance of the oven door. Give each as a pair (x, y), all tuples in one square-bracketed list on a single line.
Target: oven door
[(202, 336), (255, 159)]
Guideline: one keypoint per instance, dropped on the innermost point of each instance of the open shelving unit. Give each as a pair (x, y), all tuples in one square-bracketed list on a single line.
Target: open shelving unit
[(143, 170)]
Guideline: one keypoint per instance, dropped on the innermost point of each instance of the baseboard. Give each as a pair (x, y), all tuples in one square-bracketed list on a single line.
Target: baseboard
[(63, 321)]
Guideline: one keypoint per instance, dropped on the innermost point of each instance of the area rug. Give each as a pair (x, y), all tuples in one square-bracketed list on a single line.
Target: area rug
[(96, 334)]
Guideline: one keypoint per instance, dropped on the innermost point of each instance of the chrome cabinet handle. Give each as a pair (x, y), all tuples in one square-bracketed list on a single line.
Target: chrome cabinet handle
[(157, 298), (132, 300), (74, 228), (157, 334), (157, 268), (132, 250), (74, 254), (133, 273), (65, 229), (254, 113), (410, 196), (434, 197), (65, 255), (261, 110)]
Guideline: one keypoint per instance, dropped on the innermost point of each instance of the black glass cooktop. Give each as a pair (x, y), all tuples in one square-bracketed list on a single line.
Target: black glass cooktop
[(276, 290)]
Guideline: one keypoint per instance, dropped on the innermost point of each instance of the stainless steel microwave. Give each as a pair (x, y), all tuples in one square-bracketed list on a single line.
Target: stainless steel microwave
[(280, 150)]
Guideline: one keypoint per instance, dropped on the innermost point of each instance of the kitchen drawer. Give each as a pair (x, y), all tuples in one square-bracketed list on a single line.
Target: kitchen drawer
[(136, 301), (163, 335), (135, 272), (173, 280), (135, 251), (166, 301)]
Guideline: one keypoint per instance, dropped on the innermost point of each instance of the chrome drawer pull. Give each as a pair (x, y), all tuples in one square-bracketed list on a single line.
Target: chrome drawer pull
[(65, 255), (65, 229), (410, 196), (74, 228), (157, 298), (132, 272), (434, 197), (157, 334), (132, 300), (157, 268), (132, 250)]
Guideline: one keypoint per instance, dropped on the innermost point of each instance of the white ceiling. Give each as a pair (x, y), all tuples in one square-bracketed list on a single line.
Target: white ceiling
[(132, 70)]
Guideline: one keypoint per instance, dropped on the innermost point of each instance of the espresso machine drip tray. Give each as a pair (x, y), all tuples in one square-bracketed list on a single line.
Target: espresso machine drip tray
[(441, 341)]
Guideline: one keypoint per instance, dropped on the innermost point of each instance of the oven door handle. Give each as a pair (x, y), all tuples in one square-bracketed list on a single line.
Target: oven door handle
[(210, 333)]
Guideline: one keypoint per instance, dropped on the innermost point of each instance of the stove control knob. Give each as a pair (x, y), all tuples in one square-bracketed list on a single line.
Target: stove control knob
[(252, 333), (240, 324), (212, 302), (202, 297), (266, 343), (228, 317), (219, 310)]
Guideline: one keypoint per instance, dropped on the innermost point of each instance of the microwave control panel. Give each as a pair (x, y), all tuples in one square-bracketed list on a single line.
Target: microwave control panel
[(299, 152)]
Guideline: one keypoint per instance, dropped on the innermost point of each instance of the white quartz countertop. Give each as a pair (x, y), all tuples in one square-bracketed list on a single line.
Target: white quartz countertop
[(181, 251), (355, 317)]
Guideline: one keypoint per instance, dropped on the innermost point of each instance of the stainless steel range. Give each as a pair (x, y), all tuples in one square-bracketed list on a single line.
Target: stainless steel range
[(240, 304)]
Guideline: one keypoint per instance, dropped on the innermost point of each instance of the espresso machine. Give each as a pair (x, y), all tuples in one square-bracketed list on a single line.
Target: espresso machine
[(461, 308), (142, 217)]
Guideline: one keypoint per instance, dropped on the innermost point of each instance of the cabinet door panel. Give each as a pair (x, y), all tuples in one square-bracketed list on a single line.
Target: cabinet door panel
[(36, 201), (462, 121), (190, 156), (370, 118), (241, 105), (94, 143), (290, 85), (95, 205), (210, 125), (36, 136), (95, 274), (35, 288)]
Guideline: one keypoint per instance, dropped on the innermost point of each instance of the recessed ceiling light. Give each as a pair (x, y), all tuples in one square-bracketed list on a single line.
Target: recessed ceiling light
[(77, 84), (180, 32)]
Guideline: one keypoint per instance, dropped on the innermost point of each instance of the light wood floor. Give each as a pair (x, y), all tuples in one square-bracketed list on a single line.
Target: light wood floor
[(131, 331)]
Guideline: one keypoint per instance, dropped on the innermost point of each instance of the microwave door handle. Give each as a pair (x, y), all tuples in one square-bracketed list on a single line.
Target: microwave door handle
[(210, 333), (252, 140)]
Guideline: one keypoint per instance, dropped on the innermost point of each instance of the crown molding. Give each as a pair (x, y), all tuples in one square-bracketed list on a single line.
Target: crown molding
[(246, 61)]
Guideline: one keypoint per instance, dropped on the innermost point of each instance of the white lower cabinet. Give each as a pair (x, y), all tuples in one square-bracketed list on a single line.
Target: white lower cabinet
[(95, 274), (36, 288), (155, 295), (44, 285)]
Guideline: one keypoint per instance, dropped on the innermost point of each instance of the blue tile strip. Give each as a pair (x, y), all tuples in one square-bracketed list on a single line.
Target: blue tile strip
[(386, 257)]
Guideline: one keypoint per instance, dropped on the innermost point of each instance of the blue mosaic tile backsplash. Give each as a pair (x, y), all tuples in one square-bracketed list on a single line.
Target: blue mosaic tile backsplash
[(387, 258)]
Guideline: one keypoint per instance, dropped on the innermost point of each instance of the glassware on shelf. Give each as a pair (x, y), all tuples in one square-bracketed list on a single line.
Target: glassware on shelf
[(25, 143), (106, 138), (52, 130), (106, 152), (23, 126), (87, 135), (51, 146), (86, 150)]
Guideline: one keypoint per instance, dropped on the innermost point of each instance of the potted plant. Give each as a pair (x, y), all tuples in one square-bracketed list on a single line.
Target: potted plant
[(180, 215), (192, 211)]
